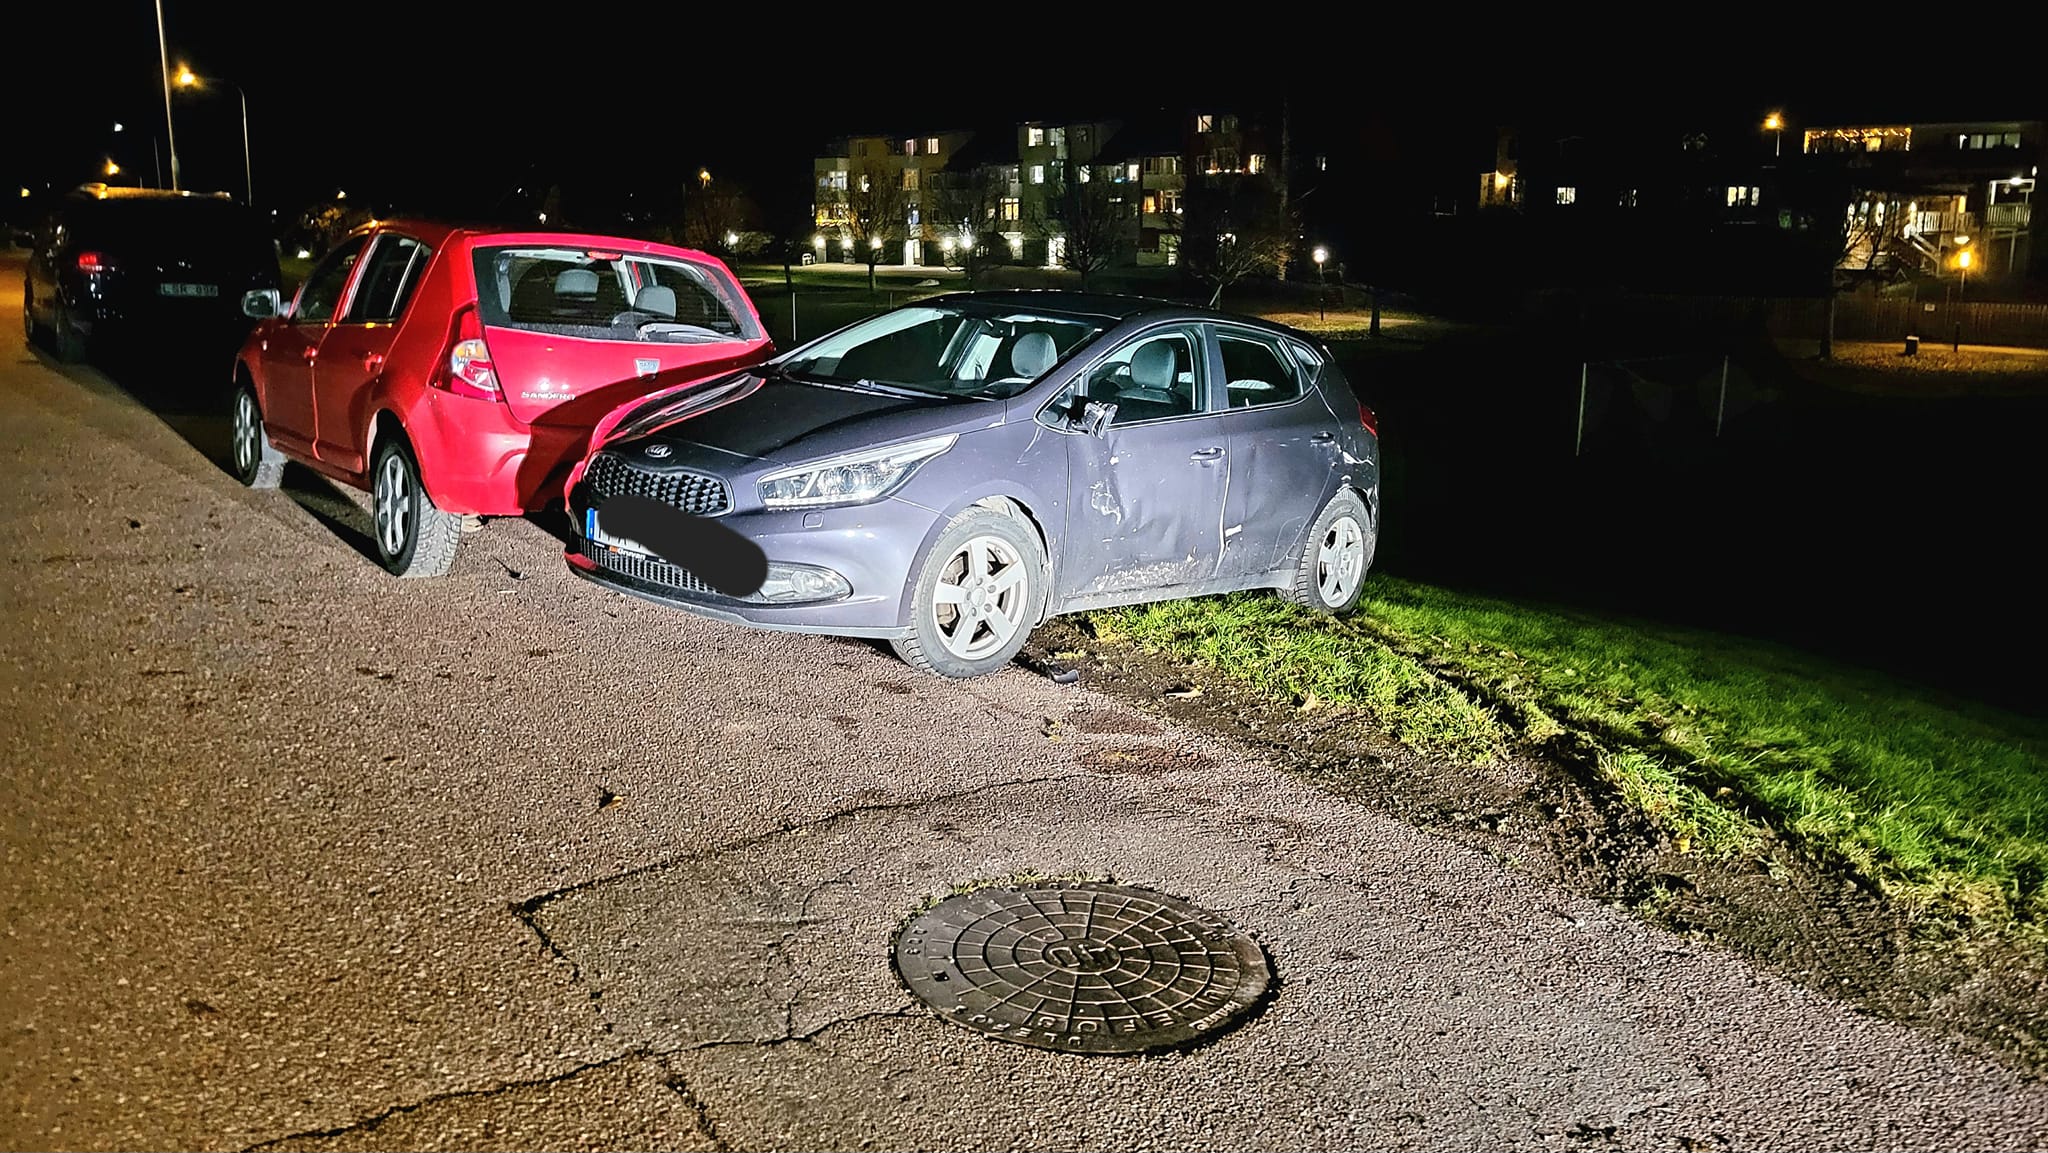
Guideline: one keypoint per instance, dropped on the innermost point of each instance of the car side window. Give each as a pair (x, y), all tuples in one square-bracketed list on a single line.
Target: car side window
[(1154, 377), (395, 266), (322, 290), (1257, 371)]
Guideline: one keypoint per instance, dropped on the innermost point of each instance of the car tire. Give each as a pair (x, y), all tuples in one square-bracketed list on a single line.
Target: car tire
[(30, 330), (250, 455), (69, 345), (1336, 554), (965, 594), (413, 537)]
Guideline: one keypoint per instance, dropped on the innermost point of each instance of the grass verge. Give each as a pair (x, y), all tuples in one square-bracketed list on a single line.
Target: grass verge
[(1723, 741)]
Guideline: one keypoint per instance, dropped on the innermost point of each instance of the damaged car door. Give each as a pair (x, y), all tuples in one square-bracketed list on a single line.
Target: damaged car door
[(1145, 493)]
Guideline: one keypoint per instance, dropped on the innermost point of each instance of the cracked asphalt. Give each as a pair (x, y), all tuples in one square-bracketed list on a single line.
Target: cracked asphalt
[(301, 856)]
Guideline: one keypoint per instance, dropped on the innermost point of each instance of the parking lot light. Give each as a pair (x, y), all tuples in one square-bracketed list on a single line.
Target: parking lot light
[(112, 169), (818, 242), (732, 240)]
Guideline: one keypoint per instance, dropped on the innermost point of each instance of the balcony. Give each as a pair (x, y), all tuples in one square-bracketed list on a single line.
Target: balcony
[(2006, 218)]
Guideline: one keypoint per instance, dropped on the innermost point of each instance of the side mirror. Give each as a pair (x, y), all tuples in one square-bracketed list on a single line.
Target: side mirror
[(262, 304), (1095, 417)]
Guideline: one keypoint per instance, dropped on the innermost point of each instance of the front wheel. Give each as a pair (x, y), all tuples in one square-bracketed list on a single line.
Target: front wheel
[(977, 596), (257, 464), (414, 538), (1334, 557)]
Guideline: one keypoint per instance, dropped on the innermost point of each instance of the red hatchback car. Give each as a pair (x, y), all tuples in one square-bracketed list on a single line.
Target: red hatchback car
[(457, 373)]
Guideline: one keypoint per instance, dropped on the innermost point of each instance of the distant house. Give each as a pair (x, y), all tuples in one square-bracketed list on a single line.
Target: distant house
[(1934, 197)]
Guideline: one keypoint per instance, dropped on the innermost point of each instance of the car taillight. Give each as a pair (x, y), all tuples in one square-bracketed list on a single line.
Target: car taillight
[(1369, 419), (91, 262), (468, 370)]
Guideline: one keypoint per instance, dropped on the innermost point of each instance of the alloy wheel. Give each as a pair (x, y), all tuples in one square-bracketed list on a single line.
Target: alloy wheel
[(393, 498), (248, 434), (1340, 560), (980, 599)]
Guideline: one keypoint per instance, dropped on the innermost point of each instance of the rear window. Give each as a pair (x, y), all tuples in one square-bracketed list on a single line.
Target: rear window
[(610, 296), (203, 227)]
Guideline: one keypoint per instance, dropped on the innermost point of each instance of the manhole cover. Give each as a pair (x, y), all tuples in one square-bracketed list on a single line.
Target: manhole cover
[(1080, 967)]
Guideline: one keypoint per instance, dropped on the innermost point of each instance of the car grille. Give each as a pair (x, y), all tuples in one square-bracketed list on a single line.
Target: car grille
[(653, 570), (692, 492)]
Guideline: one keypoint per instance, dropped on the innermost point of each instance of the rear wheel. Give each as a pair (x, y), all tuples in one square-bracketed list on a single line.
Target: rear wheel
[(257, 464), (67, 342), (414, 538), (977, 596), (1334, 558), (29, 331)]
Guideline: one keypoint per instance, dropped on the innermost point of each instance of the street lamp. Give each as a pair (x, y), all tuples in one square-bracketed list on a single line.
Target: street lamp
[(1776, 124), (704, 177), (732, 240), (1963, 262), (112, 169), (1321, 254), (189, 79)]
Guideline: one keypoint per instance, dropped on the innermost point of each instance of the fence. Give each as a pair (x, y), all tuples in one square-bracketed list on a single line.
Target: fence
[(1856, 317)]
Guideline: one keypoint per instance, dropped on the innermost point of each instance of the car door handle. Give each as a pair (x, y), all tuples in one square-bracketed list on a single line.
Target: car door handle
[(1324, 437), (309, 352), (1206, 454), (372, 361)]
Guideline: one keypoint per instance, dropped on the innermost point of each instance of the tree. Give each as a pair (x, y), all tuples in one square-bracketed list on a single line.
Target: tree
[(963, 221), (1851, 235), (713, 212), (1082, 217), (876, 209), (1234, 226)]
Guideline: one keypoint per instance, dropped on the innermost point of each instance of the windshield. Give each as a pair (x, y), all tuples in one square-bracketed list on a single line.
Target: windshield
[(945, 350), (610, 296)]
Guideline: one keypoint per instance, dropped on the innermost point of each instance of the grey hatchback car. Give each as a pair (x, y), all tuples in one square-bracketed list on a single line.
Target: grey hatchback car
[(952, 473)]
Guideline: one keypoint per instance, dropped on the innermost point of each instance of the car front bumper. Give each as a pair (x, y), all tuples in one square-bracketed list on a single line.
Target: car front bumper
[(872, 546)]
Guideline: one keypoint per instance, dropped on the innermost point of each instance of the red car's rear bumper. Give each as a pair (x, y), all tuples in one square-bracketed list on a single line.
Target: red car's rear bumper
[(477, 459)]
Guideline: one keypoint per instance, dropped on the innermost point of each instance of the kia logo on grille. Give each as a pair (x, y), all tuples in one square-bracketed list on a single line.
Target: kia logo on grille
[(658, 450)]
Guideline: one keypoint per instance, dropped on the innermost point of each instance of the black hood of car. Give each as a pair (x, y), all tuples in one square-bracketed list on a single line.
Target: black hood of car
[(775, 418)]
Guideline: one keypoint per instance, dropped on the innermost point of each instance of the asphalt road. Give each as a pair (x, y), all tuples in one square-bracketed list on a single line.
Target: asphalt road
[(298, 854)]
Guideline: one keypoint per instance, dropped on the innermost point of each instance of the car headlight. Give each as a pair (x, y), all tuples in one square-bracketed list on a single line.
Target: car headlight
[(851, 479)]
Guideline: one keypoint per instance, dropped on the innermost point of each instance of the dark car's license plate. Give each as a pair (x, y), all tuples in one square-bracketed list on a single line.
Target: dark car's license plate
[(189, 289)]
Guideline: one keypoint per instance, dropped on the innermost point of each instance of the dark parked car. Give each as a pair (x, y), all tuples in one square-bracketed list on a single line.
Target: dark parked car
[(142, 265), (950, 474)]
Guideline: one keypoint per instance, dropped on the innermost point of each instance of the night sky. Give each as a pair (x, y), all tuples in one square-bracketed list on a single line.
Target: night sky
[(431, 106)]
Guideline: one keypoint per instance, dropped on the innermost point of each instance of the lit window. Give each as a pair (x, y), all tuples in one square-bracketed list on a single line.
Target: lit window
[(1133, 172), (1169, 200), (1009, 208), (1034, 137), (1258, 162), (1205, 124), (1057, 137), (1322, 164), (1568, 194), (864, 183), (1627, 198), (1151, 203), (1038, 174), (910, 176), (1084, 173), (910, 147), (931, 145)]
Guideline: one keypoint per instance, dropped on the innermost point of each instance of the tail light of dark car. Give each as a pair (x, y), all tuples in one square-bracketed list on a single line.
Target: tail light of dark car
[(94, 263), (1369, 419), (467, 369)]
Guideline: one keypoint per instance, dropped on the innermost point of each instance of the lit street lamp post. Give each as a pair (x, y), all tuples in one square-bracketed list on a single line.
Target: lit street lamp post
[(1322, 255), (1776, 124), (188, 79)]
